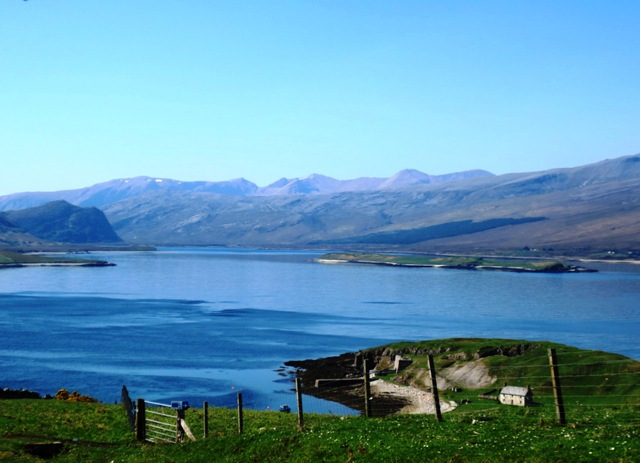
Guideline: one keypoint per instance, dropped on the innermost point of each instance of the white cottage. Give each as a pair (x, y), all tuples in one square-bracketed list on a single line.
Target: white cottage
[(516, 395)]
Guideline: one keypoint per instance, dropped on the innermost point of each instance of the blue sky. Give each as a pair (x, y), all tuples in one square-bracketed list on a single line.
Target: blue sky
[(205, 90)]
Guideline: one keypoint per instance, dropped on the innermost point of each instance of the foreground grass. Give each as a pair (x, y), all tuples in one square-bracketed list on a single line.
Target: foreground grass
[(100, 433)]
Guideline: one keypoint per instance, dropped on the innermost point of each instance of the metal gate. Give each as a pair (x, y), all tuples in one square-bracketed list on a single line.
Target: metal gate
[(158, 423)]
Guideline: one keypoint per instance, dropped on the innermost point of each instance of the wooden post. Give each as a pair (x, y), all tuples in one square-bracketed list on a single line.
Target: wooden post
[(129, 408), (141, 430), (299, 402), (434, 388), (179, 430), (367, 389), (557, 390), (205, 409), (240, 420)]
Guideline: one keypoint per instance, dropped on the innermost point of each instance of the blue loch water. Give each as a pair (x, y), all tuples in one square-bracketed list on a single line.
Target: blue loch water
[(203, 324)]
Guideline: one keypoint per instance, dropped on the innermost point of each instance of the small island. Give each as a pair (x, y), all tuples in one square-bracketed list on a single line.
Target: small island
[(10, 259), (455, 262)]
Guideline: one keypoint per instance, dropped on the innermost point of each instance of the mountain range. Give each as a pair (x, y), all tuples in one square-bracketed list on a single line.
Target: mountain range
[(588, 208), (112, 191)]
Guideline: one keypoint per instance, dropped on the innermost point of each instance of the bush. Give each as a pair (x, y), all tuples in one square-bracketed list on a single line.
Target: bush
[(75, 396)]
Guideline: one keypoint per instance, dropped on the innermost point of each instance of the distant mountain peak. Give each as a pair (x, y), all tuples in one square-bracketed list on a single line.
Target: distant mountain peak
[(407, 177), (414, 173)]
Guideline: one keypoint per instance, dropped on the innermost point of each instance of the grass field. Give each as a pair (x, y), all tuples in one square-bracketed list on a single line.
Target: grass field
[(100, 433)]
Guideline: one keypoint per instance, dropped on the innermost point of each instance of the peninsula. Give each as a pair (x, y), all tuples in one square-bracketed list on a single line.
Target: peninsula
[(9, 259), (470, 372), (456, 262)]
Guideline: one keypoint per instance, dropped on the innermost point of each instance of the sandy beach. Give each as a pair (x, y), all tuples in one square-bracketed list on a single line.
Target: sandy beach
[(420, 402)]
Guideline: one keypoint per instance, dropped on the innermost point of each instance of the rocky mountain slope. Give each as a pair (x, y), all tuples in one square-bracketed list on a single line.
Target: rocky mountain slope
[(594, 207)]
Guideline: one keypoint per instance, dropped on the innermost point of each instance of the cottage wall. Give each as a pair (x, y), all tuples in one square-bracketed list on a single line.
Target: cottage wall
[(512, 400), (519, 396)]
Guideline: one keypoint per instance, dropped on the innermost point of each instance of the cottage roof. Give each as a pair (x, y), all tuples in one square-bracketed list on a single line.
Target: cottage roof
[(515, 390)]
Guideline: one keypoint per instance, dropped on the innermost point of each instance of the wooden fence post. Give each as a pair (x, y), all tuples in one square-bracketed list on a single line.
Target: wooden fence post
[(240, 420), (557, 390), (299, 402), (367, 389), (127, 404), (434, 388), (141, 430), (205, 409)]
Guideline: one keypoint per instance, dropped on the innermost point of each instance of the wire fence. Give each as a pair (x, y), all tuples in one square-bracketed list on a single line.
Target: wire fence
[(571, 392)]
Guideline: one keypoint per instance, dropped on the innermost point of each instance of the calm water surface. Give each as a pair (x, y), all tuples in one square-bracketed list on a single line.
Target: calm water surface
[(203, 324)]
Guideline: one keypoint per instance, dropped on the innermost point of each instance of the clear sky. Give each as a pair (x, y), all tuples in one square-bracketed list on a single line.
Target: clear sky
[(214, 90)]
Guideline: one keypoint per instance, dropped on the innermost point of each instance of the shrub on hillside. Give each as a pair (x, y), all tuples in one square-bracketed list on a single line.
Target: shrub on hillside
[(75, 396)]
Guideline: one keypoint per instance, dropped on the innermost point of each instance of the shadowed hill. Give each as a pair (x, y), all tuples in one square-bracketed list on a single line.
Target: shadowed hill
[(60, 221)]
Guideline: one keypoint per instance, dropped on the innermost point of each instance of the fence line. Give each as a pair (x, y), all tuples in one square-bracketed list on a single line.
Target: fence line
[(578, 380)]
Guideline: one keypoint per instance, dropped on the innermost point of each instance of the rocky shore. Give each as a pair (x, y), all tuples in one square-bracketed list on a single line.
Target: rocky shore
[(7, 393)]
